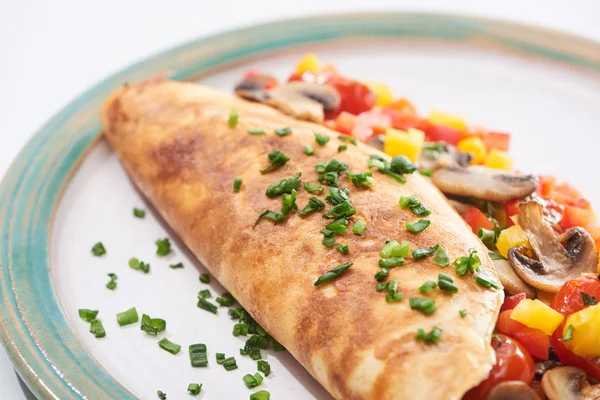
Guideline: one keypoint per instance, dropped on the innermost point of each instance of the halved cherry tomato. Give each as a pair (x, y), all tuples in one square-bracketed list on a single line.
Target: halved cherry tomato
[(477, 219), (567, 301), (496, 140), (576, 217), (513, 363), (356, 96), (534, 340), (547, 182), (512, 301), (440, 133)]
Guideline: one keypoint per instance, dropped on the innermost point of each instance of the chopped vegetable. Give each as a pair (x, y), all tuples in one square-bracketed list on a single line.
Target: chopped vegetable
[(204, 294), (169, 346), (463, 313), (511, 237), (414, 204), (207, 305), (488, 237), (176, 266), (220, 357), (194, 388), (289, 202), (477, 220), (453, 121), (343, 210), (391, 262), (97, 329), (475, 146), (98, 249), (161, 395), (337, 196), (309, 63), (257, 131), (264, 367), (321, 139), (348, 139), (408, 144), (283, 131), (446, 283), (139, 213), (252, 381), (309, 150), (229, 364), (225, 300), (498, 159), (584, 326), (87, 315), (342, 147), (198, 356), (426, 306), (441, 257), (394, 249), (163, 247), (343, 249), (272, 215), (486, 280), (314, 188), (362, 179), (204, 278), (328, 238), (338, 226), (467, 263), (277, 160), (402, 165), (112, 284), (588, 300), (314, 204), (382, 92), (240, 330), (392, 296), (427, 287), (419, 226), (283, 186), (359, 227), (431, 337), (128, 317), (382, 274), (535, 314), (237, 184), (261, 395), (153, 326), (333, 274), (419, 254), (138, 265), (233, 118)]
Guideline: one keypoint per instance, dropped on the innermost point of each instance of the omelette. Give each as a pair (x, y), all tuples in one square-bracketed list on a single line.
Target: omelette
[(258, 223)]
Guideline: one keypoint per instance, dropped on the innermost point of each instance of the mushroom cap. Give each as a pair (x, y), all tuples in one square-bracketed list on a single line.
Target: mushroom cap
[(512, 390), (512, 283), (568, 383), (556, 263)]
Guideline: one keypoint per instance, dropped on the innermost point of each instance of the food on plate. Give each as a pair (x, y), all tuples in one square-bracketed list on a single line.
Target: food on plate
[(352, 260)]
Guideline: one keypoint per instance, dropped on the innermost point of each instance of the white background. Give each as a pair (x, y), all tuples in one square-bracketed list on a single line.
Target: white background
[(51, 51)]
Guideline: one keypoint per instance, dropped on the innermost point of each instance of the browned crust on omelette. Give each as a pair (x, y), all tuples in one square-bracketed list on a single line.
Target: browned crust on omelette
[(174, 140)]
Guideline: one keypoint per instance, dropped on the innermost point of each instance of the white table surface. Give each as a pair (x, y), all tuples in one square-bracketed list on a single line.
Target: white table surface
[(54, 50)]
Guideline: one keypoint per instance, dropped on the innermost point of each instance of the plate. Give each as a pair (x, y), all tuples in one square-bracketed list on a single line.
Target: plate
[(67, 191)]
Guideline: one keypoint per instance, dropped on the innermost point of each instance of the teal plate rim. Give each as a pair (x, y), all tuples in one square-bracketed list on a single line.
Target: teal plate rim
[(33, 327)]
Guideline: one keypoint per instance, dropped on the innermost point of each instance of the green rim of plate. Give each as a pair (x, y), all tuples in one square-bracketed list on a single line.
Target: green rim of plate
[(33, 326)]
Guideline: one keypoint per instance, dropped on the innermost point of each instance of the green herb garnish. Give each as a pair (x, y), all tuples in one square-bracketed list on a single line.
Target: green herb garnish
[(194, 388), (283, 186), (342, 249), (289, 202), (87, 315), (362, 179), (314, 188), (348, 139), (588, 300), (261, 395), (237, 184), (427, 287), (272, 215), (229, 364), (176, 266), (257, 131), (169, 346), (98, 249), (112, 284), (328, 238), (321, 139), (161, 395), (204, 294), (485, 279), (220, 357), (338, 226), (277, 160), (387, 286), (441, 257), (382, 274), (139, 213), (240, 330), (207, 305), (337, 196), (391, 262), (204, 278), (488, 237), (414, 204), (342, 147), (336, 166), (329, 178), (568, 334), (225, 300), (198, 356), (233, 118), (467, 263), (430, 337), (463, 313), (138, 265), (333, 274), (426, 306), (446, 283), (359, 227), (153, 326), (402, 165), (283, 131), (419, 254), (418, 226), (426, 172), (496, 256), (252, 381), (343, 210), (163, 247), (384, 167), (264, 367), (309, 150), (97, 329), (394, 249), (314, 204), (128, 317)]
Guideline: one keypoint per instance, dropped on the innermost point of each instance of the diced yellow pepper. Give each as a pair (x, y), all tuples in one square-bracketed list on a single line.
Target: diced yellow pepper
[(586, 332), (408, 143), (475, 146), (453, 121), (310, 63), (511, 237), (537, 315), (382, 92), (498, 159)]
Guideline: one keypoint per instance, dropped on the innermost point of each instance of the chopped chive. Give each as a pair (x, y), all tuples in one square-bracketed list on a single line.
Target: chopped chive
[(139, 213), (467, 263), (359, 227), (277, 346), (342, 249), (496, 256), (283, 131), (343, 210), (234, 313), (289, 202), (194, 388), (229, 364), (98, 249), (314, 188), (225, 300), (348, 139), (97, 328), (252, 381), (418, 226), (283, 186), (161, 395), (362, 179), (163, 247), (485, 279), (568, 334), (321, 167), (426, 172), (392, 296), (488, 237), (431, 337), (220, 357), (153, 326), (176, 266), (272, 215), (329, 178), (463, 313), (264, 367), (427, 287), (204, 278), (261, 395), (309, 150), (426, 306), (414, 204), (328, 238), (390, 286), (204, 294), (256, 131), (446, 283), (169, 346), (342, 147), (338, 226), (233, 118), (321, 139), (277, 160), (402, 165), (87, 315), (112, 284), (382, 274), (207, 305), (391, 262), (314, 204), (240, 330), (128, 317), (237, 184), (138, 265), (394, 249), (419, 254), (333, 274), (588, 300), (441, 257), (198, 356), (338, 196)]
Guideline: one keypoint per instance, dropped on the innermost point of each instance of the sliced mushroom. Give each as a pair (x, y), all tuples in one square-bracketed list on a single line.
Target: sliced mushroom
[(459, 206), (441, 155), (512, 390), (302, 100), (512, 283), (484, 183), (569, 383), (559, 257), (256, 82), (541, 367)]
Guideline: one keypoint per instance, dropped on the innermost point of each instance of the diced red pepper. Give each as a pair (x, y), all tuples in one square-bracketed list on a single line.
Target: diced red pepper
[(345, 123), (512, 209), (376, 119), (575, 216), (440, 133), (496, 140), (547, 182), (565, 194), (402, 120), (476, 219), (512, 301), (356, 96)]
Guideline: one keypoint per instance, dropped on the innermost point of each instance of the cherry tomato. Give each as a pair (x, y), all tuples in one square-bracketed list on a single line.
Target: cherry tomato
[(512, 301), (440, 133), (513, 363), (534, 340), (356, 96), (477, 219), (567, 301)]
